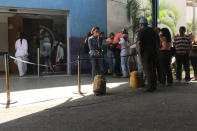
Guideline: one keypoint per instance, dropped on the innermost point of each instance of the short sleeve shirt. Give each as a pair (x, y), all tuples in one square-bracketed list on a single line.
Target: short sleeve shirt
[(148, 40), (117, 39)]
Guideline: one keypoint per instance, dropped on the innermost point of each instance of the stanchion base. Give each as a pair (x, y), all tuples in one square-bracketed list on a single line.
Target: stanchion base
[(81, 93), (10, 103)]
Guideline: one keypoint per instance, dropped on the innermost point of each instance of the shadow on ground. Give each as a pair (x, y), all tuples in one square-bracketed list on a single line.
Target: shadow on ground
[(123, 109), (28, 83)]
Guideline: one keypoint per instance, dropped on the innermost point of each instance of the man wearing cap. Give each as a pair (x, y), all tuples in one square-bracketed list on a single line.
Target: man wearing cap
[(147, 50)]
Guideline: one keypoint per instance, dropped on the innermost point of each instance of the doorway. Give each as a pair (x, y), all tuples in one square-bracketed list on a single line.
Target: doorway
[(31, 24)]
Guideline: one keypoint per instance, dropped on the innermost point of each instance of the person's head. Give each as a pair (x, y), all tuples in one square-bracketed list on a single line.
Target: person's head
[(192, 37), (123, 30), (166, 33), (182, 30), (46, 39), (102, 34), (157, 29), (34, 37), (95, 31), (125, 35), (111, 35), (21, 35), (143, 23)]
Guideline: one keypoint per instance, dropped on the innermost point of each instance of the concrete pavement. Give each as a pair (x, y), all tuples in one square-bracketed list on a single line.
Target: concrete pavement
[(123, 109)]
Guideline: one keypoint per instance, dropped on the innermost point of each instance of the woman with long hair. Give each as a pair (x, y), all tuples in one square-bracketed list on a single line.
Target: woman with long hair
[(165, 56), (95, 54)]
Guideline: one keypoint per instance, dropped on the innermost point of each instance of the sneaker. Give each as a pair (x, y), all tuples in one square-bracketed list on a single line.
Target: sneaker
[(187, 82), (150, 90), (194, 79)]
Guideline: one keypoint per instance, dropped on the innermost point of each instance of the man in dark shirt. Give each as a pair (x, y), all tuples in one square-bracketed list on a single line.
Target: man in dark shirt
[(148, 48)]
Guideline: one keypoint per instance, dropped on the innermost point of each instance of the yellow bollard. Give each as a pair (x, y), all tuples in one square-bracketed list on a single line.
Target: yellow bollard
[(99, 86), (136, 80)]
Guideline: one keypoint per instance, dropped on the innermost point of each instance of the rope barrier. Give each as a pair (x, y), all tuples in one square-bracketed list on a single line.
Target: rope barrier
[(27, 62), (104, 58), (73, 62)]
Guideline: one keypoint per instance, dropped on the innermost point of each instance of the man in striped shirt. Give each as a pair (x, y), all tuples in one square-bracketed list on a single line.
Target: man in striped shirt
[(182, 44)]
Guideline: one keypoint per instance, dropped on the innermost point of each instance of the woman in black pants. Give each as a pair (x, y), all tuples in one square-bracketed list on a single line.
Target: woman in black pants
[(193, 56), (166, 56)]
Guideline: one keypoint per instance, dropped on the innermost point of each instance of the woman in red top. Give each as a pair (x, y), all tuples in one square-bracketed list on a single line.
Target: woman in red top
[(166, 56)]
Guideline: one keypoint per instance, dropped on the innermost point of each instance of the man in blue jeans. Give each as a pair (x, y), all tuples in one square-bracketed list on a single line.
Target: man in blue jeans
[(95, 52)]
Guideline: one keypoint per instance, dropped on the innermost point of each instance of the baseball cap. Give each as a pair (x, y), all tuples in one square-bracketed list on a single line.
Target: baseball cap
[(143, 21)]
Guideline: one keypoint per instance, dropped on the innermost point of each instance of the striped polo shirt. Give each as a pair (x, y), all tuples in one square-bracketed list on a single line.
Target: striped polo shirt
[(182, 44)]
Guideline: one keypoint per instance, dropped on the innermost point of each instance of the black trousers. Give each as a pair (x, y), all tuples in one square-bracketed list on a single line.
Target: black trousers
[(117, 61), (194, 64), (158, 68), (182, 60), (33, 59), (149, 66), (166, 71)]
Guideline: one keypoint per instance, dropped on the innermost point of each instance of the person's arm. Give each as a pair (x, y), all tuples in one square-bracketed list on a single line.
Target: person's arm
[(138, 47), (138, 43), (26, 47), (16, 45), (90, 44), (133, 46), (108, 42)]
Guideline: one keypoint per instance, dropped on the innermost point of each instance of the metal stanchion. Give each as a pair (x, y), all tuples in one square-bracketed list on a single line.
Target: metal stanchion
[(7, 77), (79, 76), (6, 59), (38, 61)]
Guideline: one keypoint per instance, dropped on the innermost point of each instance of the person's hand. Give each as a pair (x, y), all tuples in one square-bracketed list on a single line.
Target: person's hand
[(128, 48), (26, 55)]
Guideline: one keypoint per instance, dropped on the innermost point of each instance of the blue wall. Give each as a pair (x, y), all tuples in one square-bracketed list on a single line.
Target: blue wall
[(83, 15)]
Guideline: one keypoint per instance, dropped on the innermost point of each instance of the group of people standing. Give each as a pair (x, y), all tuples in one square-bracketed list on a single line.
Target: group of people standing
[(108, 55), (154, 48), (28, 53)]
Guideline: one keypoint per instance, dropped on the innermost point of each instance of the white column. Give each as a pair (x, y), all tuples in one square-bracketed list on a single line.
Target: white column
[(68, 48), (194, 17)]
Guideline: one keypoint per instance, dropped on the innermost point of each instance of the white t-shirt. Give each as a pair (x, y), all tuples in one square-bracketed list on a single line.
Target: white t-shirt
[(124, 44)]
